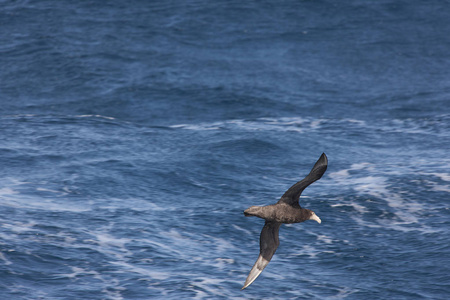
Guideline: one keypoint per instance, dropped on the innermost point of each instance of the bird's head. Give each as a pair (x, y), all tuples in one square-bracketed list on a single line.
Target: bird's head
[(314, 217)]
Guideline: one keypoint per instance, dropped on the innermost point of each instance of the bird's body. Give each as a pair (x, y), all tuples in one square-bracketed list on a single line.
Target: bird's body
[(280, 212), (286, 210)]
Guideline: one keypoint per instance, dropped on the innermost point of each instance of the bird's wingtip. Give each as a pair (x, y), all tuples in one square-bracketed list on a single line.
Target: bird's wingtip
[(248, 282)]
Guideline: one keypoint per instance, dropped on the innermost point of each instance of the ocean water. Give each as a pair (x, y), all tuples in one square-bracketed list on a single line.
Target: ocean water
[(134, 134)]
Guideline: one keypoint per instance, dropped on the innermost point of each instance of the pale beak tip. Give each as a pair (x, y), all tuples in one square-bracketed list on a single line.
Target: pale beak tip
[(316, 218)]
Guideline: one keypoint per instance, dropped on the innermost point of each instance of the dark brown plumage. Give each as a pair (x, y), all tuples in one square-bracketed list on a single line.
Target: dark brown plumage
[(286, 210)]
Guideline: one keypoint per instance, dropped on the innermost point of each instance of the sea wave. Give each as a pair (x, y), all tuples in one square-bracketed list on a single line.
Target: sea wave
[(438, 125)]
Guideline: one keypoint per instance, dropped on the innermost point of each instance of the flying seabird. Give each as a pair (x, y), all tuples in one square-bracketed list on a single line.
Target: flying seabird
[(286, 210)]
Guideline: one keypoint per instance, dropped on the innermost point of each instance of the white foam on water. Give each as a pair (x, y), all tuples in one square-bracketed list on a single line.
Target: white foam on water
[(344, 293), (6, 191), (410, 126), (306, 250), (157, 275), (222, 245), (20, 116), (109, 245), (442, 176), (12, 197), (342, 174), (221, 263), (301, 125), (437, 187), (68, 239), (106, 240), (18, 227), (113, 293), (441, 188), (5, 260), (39, 189), (359, 208), (285, 124), (325, 239), (378, 186), (205, 288), (363, 165), (310, 288), (166, 247), (359, 122), (247, 232), (95, 116), (176, 243), (363, 223), (76, 271), (27, 202), (199, 127), (138, 205)]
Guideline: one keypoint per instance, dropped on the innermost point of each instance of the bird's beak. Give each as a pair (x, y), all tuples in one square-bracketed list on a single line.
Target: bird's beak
[(315, 218)]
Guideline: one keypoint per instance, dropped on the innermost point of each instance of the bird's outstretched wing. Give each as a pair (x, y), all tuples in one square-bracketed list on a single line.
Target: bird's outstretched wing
[(292, 195), (268, 244)]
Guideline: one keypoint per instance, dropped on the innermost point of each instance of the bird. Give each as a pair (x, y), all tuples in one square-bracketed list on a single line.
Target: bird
[(286, 210)]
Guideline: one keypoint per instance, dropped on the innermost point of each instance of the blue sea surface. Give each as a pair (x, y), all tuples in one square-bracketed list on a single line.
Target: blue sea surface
[(133, 134)]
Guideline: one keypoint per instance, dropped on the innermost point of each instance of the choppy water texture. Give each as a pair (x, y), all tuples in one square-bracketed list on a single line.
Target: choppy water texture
[(134, 134)]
